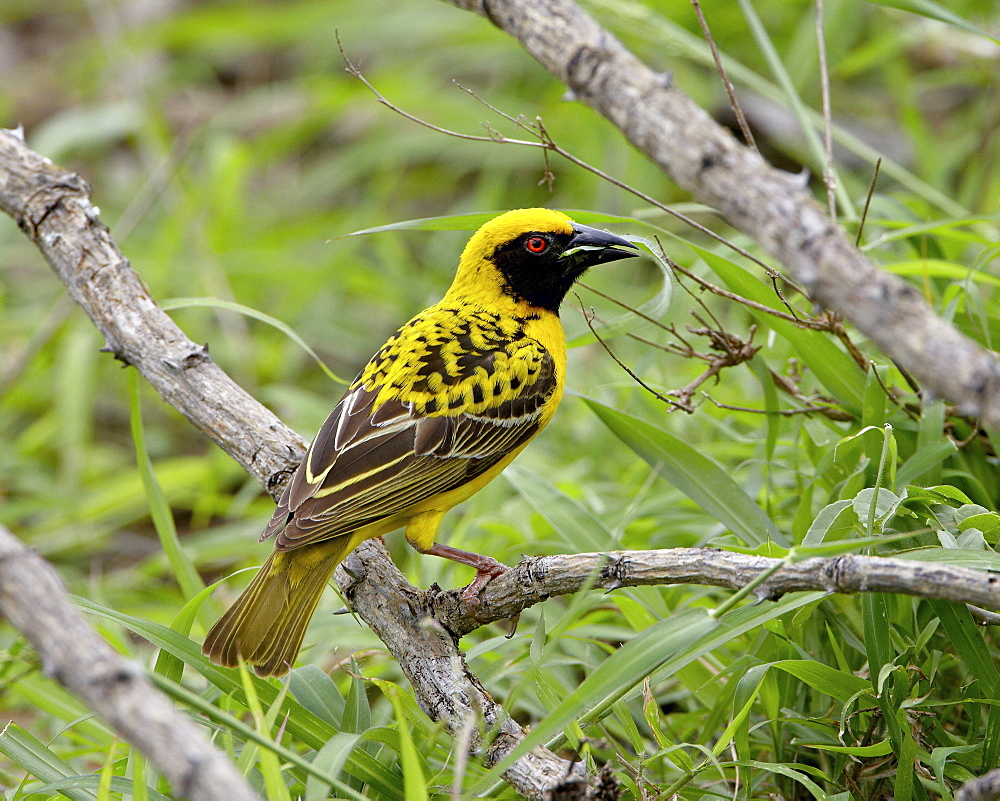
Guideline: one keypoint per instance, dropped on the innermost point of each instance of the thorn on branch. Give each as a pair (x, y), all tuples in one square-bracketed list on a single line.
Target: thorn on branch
[(196, 357)]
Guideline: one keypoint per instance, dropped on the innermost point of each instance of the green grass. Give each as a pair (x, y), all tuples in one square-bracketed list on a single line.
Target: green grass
[(231, 155)]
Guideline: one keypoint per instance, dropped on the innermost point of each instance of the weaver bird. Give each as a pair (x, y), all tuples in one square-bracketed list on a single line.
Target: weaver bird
[(439, 411)]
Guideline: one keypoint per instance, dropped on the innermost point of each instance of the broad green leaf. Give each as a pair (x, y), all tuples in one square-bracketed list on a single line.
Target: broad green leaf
[(878, 643), (904, 779), (318, 693), (879, 749), (117, 784), (977, 560), (936, 268), (796, 772), (986, 522), (330, 759), (747, 689), (417, 718), (837, 547), (924, 459), (835, 683), (357, 715), (730, 732), (941, 493), (939, 757), (834, 514), (137, 768), (166, 663), (624, 717), (760, 368), (886, 503), (694, 474), (414, 767)]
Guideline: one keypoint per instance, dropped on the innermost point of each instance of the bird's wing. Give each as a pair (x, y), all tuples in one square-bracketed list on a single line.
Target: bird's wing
[(371, 459)]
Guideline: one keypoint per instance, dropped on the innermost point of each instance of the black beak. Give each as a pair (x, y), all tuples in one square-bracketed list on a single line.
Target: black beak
[(591, 246)]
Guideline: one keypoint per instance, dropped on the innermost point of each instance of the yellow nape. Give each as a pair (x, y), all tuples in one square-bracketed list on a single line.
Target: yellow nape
[(474, 266), (511, 225)]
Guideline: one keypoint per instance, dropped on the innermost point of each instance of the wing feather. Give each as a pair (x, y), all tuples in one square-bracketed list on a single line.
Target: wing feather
[(372, 460)]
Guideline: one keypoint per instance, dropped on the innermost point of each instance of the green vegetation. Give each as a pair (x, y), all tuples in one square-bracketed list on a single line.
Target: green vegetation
[(230, 154)]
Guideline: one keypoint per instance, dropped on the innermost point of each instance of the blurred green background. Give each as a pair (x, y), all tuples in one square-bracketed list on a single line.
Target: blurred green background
[(230, 153)]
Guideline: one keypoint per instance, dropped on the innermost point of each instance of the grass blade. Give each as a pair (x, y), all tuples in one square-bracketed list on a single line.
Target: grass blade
[(697, 476)]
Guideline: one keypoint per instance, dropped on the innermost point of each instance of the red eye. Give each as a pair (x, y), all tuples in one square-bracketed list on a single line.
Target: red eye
[(536, 244)]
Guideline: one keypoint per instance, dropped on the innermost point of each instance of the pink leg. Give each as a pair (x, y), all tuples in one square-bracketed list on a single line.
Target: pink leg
[(487, 568)]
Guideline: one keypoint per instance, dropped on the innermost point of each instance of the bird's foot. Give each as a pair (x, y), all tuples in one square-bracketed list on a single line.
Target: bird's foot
[(485, 573), (487, 569)]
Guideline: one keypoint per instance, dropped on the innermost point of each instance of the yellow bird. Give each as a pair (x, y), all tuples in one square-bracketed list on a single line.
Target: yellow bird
[(439, 411)]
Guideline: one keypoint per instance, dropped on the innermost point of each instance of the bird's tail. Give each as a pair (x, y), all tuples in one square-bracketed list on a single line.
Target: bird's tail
[(266, 625)]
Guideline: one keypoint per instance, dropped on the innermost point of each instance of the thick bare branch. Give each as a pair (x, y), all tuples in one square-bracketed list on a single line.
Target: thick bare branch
[(33, 599), (763, 202), (536, 578), (982, 788), (52, 206)]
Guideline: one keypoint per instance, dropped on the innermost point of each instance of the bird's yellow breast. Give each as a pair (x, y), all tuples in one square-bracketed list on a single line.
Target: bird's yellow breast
[(459, 357)]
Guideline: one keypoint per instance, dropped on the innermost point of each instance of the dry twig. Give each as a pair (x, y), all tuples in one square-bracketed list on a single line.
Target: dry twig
[(727, 84)]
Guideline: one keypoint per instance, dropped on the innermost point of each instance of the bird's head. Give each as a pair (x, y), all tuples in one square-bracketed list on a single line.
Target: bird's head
[(534, 256)]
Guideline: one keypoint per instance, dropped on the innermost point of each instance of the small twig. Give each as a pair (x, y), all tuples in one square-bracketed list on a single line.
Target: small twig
[(622, 304), (588, 317), (835, 325), (816, 325), (790, 388), (734, 351), (494, 137), (913, 414), (984, 617), (782, 412), (685, 351), (549, 143), (868, 200), (829, 176), (727, 84)]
